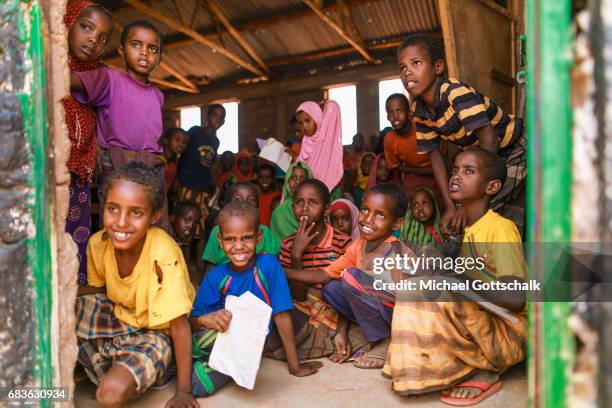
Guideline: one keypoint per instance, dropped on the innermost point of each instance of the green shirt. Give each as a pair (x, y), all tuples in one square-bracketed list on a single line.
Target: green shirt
[(214, 254)]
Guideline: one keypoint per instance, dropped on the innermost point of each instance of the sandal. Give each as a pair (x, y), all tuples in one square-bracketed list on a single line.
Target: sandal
[(487, 391), (378, 353)]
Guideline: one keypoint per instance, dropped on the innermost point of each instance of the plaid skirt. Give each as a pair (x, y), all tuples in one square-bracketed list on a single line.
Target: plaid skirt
[(435, 345), (105, 341)]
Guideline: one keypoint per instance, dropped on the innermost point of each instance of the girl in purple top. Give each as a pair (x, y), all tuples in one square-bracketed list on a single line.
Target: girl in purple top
[(129, 106)]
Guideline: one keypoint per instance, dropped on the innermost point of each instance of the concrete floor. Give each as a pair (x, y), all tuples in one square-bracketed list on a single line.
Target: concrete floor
[(333, 386)]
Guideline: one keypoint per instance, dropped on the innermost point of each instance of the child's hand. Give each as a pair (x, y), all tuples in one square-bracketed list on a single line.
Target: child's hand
[(218, 320), (303, 236), (306, 369), (182, 400)]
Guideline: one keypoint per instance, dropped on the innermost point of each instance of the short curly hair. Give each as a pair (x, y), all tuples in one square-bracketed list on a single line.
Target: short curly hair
[(433, 45), (495, 167), (141, 24), (395, 192), (138, 173), (238, 209)]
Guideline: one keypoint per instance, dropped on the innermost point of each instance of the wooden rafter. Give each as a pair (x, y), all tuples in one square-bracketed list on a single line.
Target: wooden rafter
[(173, 85), (188, 83), (214, 8), (255, 24), (342, 33), (178, 12), (143, 8), (194, 14), (290, 59), (349, 25)]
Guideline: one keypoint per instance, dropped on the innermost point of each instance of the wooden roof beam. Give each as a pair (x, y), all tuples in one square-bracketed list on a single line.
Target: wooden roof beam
[(342, 33), (214, 8), (254, 24), (143, 8), (173, 85), (173, 71)]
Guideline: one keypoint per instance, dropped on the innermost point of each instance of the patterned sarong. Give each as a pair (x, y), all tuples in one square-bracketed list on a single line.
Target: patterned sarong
[(78, 221), (435, 345), (105, 341)]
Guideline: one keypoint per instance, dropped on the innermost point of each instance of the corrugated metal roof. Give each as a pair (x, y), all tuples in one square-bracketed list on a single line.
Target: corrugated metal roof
[(376, 21)]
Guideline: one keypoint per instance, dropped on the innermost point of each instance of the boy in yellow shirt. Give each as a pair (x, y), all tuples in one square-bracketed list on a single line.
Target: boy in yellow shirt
[(456, 346), (133, 313)]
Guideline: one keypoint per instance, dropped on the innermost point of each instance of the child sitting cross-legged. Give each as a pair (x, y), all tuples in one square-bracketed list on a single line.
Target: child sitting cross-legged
[(350, 279), (261, 274), (132, 315), (473, 346), (315, 245), (247, 192)]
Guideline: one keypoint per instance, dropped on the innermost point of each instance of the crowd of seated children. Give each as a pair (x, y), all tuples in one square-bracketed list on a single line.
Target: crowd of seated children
[(315, 245), (316, 263), (349, 279), (260, 274)]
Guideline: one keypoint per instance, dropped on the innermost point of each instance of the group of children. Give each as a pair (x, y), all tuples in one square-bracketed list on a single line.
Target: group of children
[(182, 230)]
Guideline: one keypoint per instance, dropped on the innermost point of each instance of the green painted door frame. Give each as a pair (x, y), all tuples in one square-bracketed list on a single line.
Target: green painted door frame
[(549, 119), (35, 124)]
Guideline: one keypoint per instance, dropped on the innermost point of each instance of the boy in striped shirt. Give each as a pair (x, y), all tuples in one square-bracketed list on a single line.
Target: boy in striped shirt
[(447, 109), (314, 246)]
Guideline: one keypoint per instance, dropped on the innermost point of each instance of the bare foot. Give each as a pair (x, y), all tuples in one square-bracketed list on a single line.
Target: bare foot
[(487, 377), (343, 348)]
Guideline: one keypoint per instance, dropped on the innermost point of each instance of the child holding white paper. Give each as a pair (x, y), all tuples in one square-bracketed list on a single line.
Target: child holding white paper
[(261, 274)]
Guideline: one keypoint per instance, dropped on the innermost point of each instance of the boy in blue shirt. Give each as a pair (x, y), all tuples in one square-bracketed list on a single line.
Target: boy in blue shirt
[(261, 274)]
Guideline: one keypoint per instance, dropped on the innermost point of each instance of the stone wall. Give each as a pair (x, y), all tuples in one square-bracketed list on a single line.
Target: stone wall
[(17, 324)]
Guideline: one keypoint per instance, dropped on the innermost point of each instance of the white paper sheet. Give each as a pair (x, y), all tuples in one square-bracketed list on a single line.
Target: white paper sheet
[(237, 352), (274, 151)]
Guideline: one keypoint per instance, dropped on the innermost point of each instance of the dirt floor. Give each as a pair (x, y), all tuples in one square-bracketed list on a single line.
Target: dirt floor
[(334, 386)]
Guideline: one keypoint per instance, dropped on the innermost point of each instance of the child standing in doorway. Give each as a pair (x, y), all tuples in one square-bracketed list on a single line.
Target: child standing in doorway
[(90, 27)]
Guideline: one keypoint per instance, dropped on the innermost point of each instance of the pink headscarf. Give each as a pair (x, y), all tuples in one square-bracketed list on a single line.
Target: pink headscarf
[(342, 202), (323, 150)]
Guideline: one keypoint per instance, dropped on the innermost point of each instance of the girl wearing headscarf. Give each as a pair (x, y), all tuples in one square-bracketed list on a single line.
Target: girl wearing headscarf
[(283, 221), (243, 167), (421, 224), (84, 48), (322, 142), (344, 216)]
